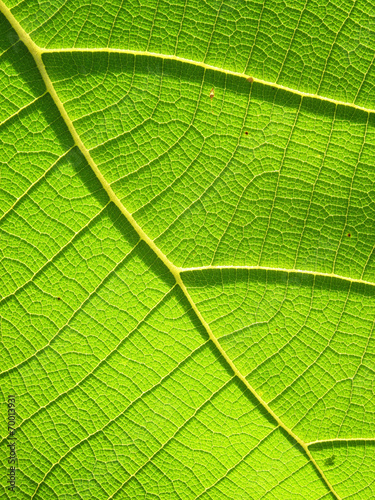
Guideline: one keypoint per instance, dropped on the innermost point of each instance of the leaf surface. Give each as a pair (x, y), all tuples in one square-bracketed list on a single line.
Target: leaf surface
[(187, 288)]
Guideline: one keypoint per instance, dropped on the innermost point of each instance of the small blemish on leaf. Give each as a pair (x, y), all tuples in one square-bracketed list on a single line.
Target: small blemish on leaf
[(58, 298), (330, 461), (250, 79), (212, 93), (246, 133), (348, 235)]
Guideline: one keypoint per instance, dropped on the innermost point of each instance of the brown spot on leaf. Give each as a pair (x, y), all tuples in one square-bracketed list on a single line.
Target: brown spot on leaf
[(250, 79)]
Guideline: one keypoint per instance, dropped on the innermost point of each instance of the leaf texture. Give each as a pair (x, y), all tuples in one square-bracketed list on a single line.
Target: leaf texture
[(187, 292)]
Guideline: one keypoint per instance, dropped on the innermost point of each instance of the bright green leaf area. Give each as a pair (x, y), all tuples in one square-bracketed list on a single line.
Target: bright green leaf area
[(187, 284)]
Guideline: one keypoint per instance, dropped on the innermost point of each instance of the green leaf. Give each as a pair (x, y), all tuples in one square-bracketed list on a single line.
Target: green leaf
[(187, 250)]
